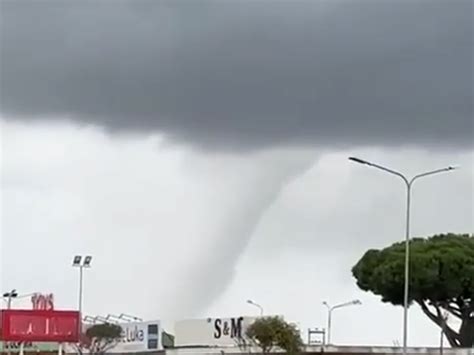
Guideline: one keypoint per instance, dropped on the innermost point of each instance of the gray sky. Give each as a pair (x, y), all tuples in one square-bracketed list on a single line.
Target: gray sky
[(246, 74), (199, 151)]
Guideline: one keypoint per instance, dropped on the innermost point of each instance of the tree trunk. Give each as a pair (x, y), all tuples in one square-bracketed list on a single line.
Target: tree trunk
[(466, 333), (464, 338)]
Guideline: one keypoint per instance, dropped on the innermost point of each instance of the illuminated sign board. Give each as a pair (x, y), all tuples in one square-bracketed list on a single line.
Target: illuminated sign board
[(38, 325)]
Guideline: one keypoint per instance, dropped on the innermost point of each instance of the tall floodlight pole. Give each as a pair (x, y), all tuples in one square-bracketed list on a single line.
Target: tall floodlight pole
[(408, 184), (81, 262), (256, 305), (331, 309)]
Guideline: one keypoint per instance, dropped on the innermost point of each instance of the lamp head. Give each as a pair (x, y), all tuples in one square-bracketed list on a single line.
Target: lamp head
[(77, 260), (358, 160), (87, 261), (12, 294)]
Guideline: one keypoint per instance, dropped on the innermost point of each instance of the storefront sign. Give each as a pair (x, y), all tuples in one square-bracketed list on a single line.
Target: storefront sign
[(137, 337), (42, 302), (38, 325), (212, 331)]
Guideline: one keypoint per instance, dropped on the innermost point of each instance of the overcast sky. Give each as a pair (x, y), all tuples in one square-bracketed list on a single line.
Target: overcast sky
[(198, 150)]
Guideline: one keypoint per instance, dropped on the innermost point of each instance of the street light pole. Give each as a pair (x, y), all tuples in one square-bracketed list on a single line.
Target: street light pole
[(81, 273), (331, 309), (256, 305), (408, 184), (9, 296), (81, 262)]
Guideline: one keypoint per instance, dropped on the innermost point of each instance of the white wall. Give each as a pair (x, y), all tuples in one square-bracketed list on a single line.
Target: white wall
[(211, 331)]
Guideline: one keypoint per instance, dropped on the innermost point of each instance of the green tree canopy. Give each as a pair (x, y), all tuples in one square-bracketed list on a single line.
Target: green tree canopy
[(273, 332), (103, 337), (441, 279)]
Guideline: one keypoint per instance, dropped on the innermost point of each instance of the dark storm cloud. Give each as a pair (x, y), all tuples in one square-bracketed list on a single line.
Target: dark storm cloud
[(246, 74)]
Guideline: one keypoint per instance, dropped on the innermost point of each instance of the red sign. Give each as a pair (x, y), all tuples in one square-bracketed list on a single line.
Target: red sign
[(39, 325)]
